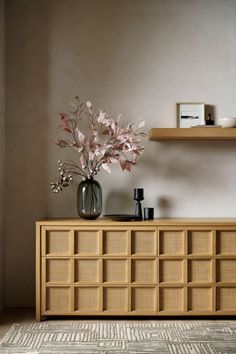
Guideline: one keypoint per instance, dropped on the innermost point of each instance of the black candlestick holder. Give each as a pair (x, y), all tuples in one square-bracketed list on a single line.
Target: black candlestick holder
[(138, 197)]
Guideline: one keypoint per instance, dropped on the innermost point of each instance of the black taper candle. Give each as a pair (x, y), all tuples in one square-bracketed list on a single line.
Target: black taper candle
[(138, 194)]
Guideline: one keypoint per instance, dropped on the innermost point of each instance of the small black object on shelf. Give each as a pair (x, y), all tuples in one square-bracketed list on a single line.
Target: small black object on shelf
[(209, 120), (138, 197)]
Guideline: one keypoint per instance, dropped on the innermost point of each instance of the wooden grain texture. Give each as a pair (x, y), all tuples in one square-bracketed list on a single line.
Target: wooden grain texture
[(83, 224), (161, 134), (170, 267), (38, 279)]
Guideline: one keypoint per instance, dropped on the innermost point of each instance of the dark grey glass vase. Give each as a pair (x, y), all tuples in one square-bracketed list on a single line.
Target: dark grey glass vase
[(89, 199)]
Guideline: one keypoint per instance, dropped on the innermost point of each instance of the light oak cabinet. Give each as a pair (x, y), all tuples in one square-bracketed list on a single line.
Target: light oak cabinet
[(161, 267)]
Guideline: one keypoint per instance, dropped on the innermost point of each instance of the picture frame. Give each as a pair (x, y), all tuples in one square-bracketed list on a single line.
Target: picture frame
[(190, 114)]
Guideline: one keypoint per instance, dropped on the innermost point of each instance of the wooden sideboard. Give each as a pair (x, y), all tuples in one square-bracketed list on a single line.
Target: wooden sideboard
[(160, 267)]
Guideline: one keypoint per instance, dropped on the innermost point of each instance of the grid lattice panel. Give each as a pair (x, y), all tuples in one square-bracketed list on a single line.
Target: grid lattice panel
[(57, 242), (226, 270), (115, 242), (87, 242), (200, 271), (143, 243), (200, 299), (171, 299), (171, 242), (115, 299), (143, 271), (58, 299), (171, 271), (143, 299), (87, 298), (86, 270), (226, 298), (177, 270), (226, 242), (58, 270), (200, 242), (115, 271)]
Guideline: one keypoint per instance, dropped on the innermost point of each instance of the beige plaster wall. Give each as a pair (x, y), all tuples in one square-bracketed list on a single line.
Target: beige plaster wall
[(2, 139), (137, 57)]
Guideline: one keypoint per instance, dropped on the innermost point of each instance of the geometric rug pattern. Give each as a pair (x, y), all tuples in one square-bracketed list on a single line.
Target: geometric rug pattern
[(121, 337)]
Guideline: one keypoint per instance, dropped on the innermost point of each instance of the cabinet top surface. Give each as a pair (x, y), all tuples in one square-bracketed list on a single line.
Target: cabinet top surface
[(155, 222)]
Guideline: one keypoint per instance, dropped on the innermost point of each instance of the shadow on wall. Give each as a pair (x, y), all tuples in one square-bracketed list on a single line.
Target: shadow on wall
[(26, 131), (164, 205), (120, 203), (187, 163), (190, 166)]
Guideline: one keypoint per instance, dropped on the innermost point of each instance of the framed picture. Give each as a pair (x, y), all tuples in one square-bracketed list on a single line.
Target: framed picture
[(190, 114)]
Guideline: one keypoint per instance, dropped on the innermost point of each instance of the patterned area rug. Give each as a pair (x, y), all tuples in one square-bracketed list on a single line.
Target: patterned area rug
[(113, 337)]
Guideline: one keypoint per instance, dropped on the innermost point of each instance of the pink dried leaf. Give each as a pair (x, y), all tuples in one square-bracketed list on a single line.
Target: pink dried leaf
[(128, 147), (64, 125), (128, 165), (97, 152), (91, 156), (65, 128), (118, 119), (103, 151), (82, 161), (106, 122), (121, 138), (62, 143), (122, 163), (64, 116), (94, 129), (101, 116), (92, 146), (80, 136), (106, 167), (113, 126), (113, 160)]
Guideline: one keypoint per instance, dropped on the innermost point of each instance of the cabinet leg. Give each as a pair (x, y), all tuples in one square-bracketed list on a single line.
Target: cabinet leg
[(38, 316)]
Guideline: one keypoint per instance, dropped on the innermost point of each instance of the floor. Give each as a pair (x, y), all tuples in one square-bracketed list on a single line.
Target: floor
[(15, 315), (26, 315), (166, 336)]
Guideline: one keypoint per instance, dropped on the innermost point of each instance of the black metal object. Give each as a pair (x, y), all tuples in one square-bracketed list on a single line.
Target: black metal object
[(138, 197), (148, 213)]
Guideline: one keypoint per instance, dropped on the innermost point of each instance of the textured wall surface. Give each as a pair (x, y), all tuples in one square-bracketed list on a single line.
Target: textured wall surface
[(2, 138), (137, 57)]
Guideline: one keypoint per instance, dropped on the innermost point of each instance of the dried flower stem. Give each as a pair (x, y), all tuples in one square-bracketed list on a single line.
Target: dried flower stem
[(107, 143)]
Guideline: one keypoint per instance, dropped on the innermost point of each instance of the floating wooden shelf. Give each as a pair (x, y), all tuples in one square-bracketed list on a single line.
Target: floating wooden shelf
[(159, 134)]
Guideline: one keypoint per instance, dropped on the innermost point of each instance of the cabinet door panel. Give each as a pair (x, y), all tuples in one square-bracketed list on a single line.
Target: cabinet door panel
[(226, 242), (171, 242), (200, 242), (57, 242), (58, 271), (58, 299), (144, 242)]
